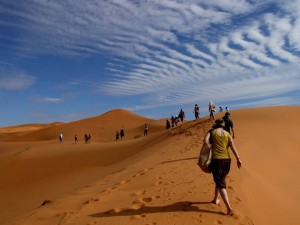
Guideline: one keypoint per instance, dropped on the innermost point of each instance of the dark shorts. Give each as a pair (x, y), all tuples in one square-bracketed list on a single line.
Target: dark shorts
[(220, 168)]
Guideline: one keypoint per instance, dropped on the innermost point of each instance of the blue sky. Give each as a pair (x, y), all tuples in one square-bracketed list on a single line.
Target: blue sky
[(69, 60)]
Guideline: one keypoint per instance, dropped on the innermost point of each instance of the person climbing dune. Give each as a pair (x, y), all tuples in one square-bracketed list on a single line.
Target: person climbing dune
[(221, 141)]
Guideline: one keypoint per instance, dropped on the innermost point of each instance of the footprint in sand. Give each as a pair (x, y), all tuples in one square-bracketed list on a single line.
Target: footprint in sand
[(114, 211), (139, 193), (157, 183), (145, 200), (125, 181), (108, 190), (91, 200), (238, 199), (142, 172), (135, 206), (137, 217), (230, 187)]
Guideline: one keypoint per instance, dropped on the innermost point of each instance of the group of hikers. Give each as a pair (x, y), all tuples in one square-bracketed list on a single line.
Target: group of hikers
[(181, 115), (120, 135), (175, 119), (219, 138), (212, 109), (87, 138)]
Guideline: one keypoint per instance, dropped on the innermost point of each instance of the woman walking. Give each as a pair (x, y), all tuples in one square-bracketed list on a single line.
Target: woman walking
[(221, 141)]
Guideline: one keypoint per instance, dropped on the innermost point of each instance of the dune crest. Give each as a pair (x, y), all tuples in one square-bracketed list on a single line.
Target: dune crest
[(101, 128)]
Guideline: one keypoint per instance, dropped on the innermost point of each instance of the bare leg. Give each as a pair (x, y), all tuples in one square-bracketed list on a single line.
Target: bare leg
[(216, 198), (224, 196)]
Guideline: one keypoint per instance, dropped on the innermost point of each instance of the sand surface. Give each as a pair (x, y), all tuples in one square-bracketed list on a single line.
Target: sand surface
[(148, 180)]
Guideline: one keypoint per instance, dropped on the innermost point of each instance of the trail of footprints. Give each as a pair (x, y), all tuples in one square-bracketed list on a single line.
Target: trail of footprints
[(142, 199), (138, 203)]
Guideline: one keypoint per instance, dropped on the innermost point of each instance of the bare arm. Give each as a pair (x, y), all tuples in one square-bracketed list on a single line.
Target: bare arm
[(206, 138), (235, 152), (232, 131)]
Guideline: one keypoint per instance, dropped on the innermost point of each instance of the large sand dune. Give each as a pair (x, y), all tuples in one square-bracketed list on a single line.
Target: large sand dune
[(149, 180), (101, 128)]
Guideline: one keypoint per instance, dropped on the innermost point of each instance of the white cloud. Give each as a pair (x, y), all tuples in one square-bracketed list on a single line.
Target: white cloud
[(40, 99), (19, 81), (52, 100), (197, 52), (294, 35)]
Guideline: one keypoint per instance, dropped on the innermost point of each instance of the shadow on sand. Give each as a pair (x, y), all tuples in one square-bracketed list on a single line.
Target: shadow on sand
[(176, 160), (176, 207)]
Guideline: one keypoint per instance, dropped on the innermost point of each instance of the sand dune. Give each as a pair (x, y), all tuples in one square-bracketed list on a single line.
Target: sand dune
[(150, 180), (101, 128)]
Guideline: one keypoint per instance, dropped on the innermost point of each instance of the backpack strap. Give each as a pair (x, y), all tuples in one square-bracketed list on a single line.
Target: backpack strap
[(210, 136)]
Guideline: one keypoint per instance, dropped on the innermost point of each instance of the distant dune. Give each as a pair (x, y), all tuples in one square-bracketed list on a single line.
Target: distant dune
[(101, 128), (148, 180)]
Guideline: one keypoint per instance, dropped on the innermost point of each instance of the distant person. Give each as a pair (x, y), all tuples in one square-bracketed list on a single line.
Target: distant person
[(228, 124), (176, 120), (220, 141), (196, 111), (122, 133), (172, 120), (220, 109), (226, 109), (211, 109), (60, 138), (117, 136), (76, 138), (86, 138), (168, 124), (89, 138), (181, 115), (146, 128)]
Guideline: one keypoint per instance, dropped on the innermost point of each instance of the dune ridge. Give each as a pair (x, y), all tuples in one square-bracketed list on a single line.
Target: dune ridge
[(154, 179), (102, 128)]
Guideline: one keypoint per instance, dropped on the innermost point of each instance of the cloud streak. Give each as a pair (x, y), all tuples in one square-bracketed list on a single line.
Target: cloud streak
[(168, 51), (19, 81)]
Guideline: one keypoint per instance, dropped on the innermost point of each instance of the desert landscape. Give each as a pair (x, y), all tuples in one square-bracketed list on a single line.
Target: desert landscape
[(149, 180)]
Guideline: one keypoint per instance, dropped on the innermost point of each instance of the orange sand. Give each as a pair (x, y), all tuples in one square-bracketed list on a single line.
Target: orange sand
[(148, 180)]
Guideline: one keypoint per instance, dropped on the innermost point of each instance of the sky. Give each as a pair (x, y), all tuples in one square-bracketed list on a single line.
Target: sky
[(74, 59)]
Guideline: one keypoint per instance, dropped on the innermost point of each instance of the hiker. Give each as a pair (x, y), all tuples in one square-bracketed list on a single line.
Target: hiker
[(117, 136), (226, 109), (60, 138), (196, 111), (211, 109), (89, 138), (168, 125), (176, 120), (220, 141), (228, 124), (220, 109), (76, 138), (172, 120), (146, 128), (86, 139), (122, 133), (181, 115)]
